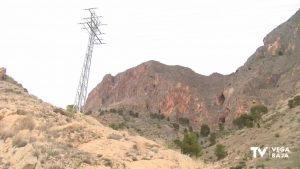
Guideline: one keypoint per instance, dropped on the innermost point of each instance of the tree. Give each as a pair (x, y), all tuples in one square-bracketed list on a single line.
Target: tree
[(190, 145), (205, 130), (220, 151)]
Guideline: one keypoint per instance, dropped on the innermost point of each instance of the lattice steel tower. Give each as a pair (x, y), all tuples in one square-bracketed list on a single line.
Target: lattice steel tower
[(91, 24)]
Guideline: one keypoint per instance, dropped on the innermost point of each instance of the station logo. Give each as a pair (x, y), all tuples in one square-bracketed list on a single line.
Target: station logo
[(271, 152)]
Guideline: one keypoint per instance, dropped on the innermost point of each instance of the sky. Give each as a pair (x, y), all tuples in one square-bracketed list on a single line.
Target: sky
[(43, 46)]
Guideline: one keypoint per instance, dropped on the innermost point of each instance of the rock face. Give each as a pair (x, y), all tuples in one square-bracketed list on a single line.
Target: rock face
[(158, 88), (177, 91)]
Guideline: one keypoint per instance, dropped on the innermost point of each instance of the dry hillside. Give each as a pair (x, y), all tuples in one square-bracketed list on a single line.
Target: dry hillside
[(177, 91), (36, 135)]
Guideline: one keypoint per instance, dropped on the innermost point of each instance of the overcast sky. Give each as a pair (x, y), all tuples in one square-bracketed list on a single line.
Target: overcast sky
[(43, 47)]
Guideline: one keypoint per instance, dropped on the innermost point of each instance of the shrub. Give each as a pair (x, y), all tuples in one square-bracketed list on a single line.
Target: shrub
[(184, 121), (157, 116), (131, 113), (189, 144), (113, 110), (297, 100), (177, 142), (108, 162), (257, 111), (294, 102), (243, 120), (221, 126), (291, 103), (190, 129), (205, 130), (24, 123), (241, 165), (248, 120), (63, 112), (117, 126), (212, 139), (71, 108), (220, 151), (175, 126), (259, 108)]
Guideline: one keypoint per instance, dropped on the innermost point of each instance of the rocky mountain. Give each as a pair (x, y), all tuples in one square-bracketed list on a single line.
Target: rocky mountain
[(158, 88), (179, 92), (37, 135)]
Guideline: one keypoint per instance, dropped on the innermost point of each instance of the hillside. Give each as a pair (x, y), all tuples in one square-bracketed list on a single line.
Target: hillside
[(163, 102), (280, 127), (176, 91), (36, 135)]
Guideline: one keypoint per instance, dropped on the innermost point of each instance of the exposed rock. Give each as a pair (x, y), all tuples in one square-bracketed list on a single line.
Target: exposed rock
[(177, 91)]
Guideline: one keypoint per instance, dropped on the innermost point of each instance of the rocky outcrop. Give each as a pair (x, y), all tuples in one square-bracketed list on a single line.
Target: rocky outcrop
[(174, 91), (177, 91)]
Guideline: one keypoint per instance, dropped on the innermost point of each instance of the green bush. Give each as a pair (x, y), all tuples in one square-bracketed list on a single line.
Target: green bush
[(244, 120), (259, 108), (131, 113), (221, 126), (294, 102), (157, 116), (191, 129), (248, 120), (189, 145), (205, 130), (117, 126), (256, 112), (212, 139), (71, 108), (177, 143), (220, 151), (175, 126), (184, 121), (297, 100), (291, 103)]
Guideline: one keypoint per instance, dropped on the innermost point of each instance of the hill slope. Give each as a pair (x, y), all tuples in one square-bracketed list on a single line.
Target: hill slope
[(176, 91), (35, 135)]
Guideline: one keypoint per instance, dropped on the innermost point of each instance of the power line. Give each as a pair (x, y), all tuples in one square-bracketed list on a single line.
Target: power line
[(91, 24)]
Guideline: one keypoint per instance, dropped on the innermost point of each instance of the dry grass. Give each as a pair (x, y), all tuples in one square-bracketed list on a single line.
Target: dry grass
[(4, 134), (24, 123), (19, 141), (21, 112)]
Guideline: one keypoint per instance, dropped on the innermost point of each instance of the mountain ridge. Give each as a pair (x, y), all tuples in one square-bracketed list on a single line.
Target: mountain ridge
[(177, 91)]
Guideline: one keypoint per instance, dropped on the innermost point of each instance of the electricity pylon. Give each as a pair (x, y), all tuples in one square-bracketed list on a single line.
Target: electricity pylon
[(91, 24)]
